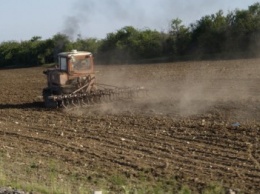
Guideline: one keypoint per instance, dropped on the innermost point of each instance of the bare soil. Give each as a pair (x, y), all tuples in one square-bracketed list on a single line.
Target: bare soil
[(200, 123)]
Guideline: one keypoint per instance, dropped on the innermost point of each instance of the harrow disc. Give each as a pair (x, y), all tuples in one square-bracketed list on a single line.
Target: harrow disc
[(97, 96)]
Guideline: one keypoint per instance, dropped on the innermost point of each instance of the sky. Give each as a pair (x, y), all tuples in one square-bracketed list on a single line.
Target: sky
[(23, 19)]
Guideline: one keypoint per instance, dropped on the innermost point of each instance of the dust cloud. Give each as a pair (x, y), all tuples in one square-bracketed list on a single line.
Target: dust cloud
[(185, 89)]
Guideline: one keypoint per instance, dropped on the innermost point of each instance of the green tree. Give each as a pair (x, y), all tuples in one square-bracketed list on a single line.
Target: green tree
[(147, 44), (129, 44), (117, 47), (179, 38), (8, 51), (209, 34), (244, 29), (61, 43)]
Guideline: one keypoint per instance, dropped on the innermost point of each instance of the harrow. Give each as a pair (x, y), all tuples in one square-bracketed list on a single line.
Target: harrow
[(113, 93)]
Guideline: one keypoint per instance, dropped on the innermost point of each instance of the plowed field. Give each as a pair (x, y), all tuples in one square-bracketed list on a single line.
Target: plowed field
[(199, 124)]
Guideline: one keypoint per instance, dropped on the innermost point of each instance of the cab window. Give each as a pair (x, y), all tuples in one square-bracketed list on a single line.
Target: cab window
[(81, 64), (63, 63)]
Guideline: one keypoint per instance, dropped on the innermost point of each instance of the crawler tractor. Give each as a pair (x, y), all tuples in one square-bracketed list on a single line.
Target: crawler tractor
[(72, 82)]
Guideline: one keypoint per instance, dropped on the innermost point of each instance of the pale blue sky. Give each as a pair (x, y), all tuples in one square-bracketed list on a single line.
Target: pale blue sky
[(23, 19)]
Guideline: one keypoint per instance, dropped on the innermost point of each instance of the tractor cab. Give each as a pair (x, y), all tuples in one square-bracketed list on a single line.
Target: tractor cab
[(71, 65), (75, 62)]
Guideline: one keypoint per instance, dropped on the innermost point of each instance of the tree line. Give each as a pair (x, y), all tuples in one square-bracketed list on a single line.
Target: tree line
[(215, 36)]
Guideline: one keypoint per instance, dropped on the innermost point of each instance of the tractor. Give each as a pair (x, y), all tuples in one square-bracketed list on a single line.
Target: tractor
[(72, 82)]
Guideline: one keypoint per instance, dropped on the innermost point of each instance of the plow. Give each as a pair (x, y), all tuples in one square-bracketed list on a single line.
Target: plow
[(73, 83)]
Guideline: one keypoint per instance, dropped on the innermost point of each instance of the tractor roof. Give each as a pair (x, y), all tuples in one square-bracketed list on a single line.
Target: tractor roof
[(74, 53)]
